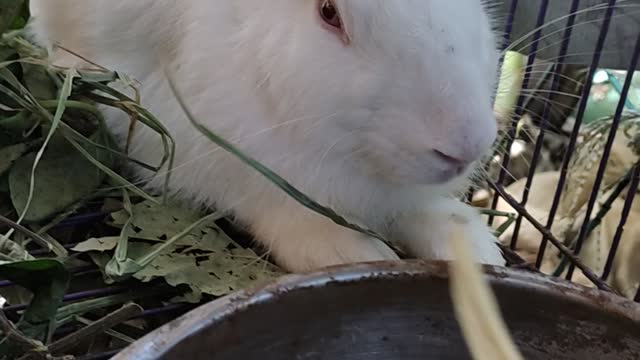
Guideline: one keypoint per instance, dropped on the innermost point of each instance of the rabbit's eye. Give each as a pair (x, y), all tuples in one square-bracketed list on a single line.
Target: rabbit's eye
[(329, 14)]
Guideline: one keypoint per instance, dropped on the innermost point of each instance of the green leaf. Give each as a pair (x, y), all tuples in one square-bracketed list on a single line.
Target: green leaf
[(9, 11), (216, 273), (63, 177), (67, 313), (4, 189), (55, 122), (48, 280), (15, 294), (156, 222), (10, 154), (97, 244), (6, 53), (17, 125), (5, 202), (37, 80), (203, 257)]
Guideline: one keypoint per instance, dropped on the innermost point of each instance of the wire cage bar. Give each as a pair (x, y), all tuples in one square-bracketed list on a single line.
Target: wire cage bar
[(595, 35)]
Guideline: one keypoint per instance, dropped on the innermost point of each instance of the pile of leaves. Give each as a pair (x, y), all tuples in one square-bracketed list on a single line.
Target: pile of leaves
[(64, 206)]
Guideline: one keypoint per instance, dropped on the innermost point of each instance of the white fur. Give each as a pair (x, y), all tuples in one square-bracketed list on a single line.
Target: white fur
[(352, 125)]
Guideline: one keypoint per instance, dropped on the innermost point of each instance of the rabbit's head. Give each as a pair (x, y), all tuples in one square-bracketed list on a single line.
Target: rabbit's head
[(404, 86)]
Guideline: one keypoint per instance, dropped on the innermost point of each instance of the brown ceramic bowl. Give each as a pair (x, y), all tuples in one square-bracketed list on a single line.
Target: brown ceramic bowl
[(394, 311)]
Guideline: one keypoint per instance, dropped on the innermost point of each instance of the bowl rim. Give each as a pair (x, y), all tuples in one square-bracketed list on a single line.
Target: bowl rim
[(159, 341)]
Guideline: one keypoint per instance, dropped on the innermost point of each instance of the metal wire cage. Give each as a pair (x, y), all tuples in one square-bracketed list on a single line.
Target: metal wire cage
[(564, 35)]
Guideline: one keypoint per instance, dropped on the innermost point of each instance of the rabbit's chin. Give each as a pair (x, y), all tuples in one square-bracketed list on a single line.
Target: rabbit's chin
[(427, 177)]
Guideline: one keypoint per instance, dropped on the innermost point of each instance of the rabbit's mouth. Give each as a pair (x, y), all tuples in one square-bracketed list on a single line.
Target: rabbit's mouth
[(402, 168)]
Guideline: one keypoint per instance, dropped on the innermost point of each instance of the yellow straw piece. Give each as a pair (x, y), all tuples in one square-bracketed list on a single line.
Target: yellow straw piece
[(475, 305)]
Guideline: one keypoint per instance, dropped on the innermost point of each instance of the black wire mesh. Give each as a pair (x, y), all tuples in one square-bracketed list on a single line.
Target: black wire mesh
[(631, 179)]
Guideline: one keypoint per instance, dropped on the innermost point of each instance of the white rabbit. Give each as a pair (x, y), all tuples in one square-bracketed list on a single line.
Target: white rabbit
[(379, 109)]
